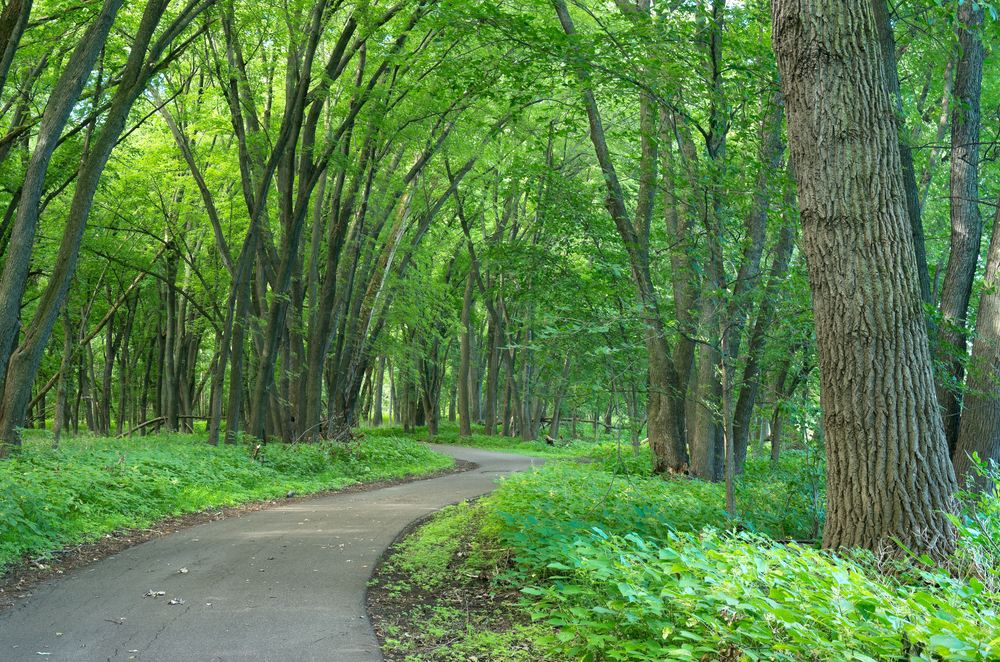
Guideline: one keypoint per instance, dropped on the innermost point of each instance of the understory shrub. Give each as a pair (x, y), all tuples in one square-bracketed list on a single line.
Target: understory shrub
[(87, 487), (743, 597), (632, 568)]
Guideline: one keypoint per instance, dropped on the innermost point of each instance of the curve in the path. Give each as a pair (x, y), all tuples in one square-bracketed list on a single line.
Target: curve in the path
[(279, 585)]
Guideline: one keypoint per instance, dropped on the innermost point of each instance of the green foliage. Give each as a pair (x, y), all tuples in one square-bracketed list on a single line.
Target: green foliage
[(448, 435), (978, 524), (618, 458), (553, 505), (51, 497), (640, 569), (743, 597), (787, 500)]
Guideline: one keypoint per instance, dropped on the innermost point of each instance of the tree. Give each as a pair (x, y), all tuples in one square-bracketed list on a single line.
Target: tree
[(966, 220), (889, 478), (665, 434), (979, 431), (146, 57)]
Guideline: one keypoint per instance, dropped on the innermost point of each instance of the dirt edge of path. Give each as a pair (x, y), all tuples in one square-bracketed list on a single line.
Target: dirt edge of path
[(21, 579)]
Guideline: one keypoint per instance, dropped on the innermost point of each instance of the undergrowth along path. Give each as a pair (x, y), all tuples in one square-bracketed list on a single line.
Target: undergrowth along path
[(285, 584)]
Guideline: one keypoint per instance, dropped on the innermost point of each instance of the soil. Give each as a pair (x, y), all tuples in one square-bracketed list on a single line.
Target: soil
[(403, 614), (21, 579)]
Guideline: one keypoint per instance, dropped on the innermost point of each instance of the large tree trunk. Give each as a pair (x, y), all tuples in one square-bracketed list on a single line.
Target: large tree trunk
[(889, 478), (966, 221)]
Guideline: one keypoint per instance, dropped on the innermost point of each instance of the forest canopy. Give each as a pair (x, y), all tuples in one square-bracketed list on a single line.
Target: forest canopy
[(278, 221)]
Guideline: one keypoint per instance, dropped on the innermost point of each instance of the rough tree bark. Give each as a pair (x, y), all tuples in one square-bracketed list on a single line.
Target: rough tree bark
[(966, 220), (889, 477), (665, 438), (979, 431)]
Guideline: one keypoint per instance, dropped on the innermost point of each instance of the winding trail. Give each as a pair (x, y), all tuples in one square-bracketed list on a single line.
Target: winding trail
[(280, 585)]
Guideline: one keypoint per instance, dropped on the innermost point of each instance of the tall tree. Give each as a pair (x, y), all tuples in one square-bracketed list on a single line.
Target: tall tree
[(979, 431), (663, 417), (147, 56), (966, 220), (889, 478)]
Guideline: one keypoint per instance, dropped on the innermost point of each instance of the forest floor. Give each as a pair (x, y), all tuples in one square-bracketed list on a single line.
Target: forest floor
[(21, 579), (409, 620)]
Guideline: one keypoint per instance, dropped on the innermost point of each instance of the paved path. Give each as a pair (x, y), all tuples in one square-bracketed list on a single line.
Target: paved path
[(279, 585)]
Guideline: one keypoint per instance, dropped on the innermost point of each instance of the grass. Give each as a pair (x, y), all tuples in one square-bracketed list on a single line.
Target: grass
[(449, 434), (89, 486), (623, 567), (436, 597)]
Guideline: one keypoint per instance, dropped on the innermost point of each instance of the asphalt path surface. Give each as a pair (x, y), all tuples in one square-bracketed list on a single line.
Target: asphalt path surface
[(280, 585)]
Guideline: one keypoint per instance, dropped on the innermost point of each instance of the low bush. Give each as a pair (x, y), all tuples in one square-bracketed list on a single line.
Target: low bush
[(978, 523), (50, 497), (631, 568), (449, 434), (785, 500), (716, 596)]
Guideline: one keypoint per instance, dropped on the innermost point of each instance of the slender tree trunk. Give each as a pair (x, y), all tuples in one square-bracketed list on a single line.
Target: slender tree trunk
[(889, 478), (379, 386), (932, 157), (979, 432), (758, 339), (464, 421), (887, 42), (505, 424), (59, 418), (492, 377), (706, 446), (665, 438), (234, 411), (557, 400), (124, 369), (170, 340), (966, 221)]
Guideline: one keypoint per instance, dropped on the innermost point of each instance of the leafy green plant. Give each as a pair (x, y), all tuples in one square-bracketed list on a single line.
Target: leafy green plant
[(49, 497), (643, 569), (978, 525), (786, 500), (710, 595)]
